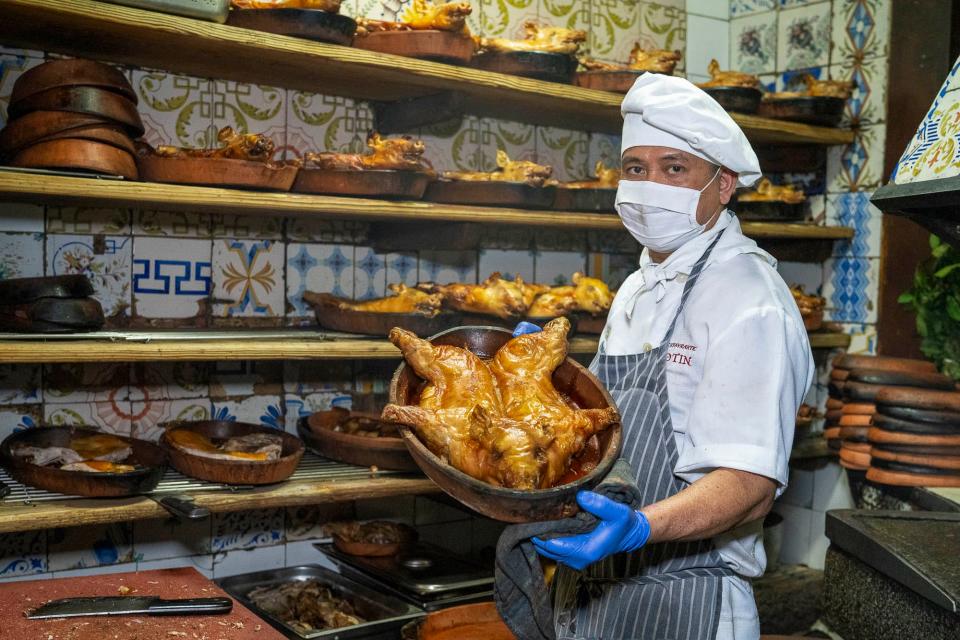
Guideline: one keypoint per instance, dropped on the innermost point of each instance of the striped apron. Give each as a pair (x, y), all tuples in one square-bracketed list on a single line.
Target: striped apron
[(665, 591)]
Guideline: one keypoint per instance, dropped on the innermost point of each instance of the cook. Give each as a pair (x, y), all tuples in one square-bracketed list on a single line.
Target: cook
[(707, 358)]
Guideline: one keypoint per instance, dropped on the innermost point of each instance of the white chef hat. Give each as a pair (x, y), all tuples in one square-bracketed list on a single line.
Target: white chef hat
[(664, 111)]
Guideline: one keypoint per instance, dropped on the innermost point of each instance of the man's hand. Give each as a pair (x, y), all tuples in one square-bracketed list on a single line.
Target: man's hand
[(620, 529)]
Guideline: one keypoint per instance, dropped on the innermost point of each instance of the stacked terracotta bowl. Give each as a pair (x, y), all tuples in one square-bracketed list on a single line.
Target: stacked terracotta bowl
[(73, 115), (915, 438), (854, 384)]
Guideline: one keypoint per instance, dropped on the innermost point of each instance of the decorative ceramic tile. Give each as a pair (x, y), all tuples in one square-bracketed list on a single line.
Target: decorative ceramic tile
[(248, 278), (868, 102), (20, 217), (233, 378), (306, 522), (87, 221), (402, 268), (859, 165), (310, 229), (709, 8), (170, 538), (20, 384), (262, 410), (753, 43), (21, 255), (307, 376), (86, 382), (509, 264), (663, 27), (303, 406), (505, 18), (112, 417), (170, 380), (517, 139), (369, 274), (23, 553), (316, 122), (804, 37), (454, 146), (556, 267), (861, 29), (851, 288), (952, 81), (171, 277), (184, 224), (746, 7), (934, 152), (614, 25), (574, 14), (150, 414), (247, 529), (12, 67), (240, 561), (105, 260), (603, 148), (854, 210), (176, 110), (234, 226), (707, 38), (321, 268), (566, 151), (17, 417), (444, 267), (612, 268), (89, 546), (251, 108), (863, 338)]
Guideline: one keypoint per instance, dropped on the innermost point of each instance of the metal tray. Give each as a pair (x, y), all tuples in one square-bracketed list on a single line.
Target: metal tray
[(389, 614)]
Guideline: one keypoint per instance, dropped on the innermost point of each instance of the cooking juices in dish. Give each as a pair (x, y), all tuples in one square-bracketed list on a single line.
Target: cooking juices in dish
[(255, 447)]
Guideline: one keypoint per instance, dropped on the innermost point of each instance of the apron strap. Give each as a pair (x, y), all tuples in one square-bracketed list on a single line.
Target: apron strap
[(691, 280)]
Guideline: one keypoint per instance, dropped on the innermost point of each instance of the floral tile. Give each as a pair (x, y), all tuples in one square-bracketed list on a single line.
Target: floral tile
[(603, 148), (578, 15), (707, 38), (517, 139), (16, 417), (317, 122), (804, 37), (184, 224), (851, 287), (248, 278), (172, 278), (12, 66), (444, 267), (250, 108), (170, 538), (402, 268), (868, 102), (612, 268), (234, 226), (247, 529), (321, 268), (746, 7), (21, 255), (858, 165), (170, 380), (505, 19), (860, 30), (86, 382), (556, 267), (566, 151), (87, 220), (89, 546), (105, 260), (614, 25), (262, 410), (306, 522), (23, 553), (663, 27), (854, 210), (934, 150), (369, 274), (176, 110), (454, 146), (112, 417), (753, 43), (863, 338), (234, 378), (303, 406), (509, 264), (306, 376), (148, 415), (310, 229), (20, 384), (20, 217)]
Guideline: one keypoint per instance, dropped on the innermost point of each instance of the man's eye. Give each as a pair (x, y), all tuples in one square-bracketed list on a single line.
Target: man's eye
[(635, 171), (675, 168)]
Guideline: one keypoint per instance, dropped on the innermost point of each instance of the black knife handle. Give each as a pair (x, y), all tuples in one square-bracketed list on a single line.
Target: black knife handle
[(191, 606), (183, 507)]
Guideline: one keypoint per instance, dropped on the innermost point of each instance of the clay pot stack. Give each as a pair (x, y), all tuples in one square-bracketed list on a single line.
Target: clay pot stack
[(73, 115), (915, 438), (50, 304)]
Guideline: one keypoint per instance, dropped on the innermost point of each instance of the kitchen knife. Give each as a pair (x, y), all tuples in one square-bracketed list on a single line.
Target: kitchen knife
[(126, 605)]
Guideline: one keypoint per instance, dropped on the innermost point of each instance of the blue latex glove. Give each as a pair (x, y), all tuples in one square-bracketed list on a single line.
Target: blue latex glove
[(620, 529), (525, 327)]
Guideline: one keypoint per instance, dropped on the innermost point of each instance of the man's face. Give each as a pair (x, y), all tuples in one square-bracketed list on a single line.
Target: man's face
[(681, 169)]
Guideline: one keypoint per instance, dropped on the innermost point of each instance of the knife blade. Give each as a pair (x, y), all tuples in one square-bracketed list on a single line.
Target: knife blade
[(126, 605)]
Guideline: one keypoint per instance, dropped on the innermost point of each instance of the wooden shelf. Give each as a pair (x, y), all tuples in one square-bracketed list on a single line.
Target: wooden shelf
[(98, 30), (62, 190)]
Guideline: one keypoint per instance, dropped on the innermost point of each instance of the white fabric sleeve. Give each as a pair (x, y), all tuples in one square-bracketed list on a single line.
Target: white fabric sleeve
[(743, 414)]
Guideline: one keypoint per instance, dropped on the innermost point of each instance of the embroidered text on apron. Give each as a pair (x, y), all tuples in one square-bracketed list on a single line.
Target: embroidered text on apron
[(666, 591)]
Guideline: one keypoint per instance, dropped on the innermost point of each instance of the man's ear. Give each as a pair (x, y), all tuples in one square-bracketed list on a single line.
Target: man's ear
[(728, 184)]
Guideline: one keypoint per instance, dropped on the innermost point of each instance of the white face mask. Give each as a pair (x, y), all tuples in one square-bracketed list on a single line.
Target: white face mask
[(660, 216)]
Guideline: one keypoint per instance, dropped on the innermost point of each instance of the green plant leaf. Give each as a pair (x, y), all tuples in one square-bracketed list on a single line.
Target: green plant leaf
[(947, 270), (953, 308), (934, 241), (905, 298)]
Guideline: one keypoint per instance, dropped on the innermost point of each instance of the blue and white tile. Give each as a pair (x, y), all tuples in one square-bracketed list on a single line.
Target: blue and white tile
[(934, 150), (868, 101), (246, 529), (86, 382), (171, 277), (817, 208), (320, 268), (859, 165), (248, 274), (556, 267), (235, 378), (860, 29), (88, 220), (149, 415), (747, 7), (707, 39), (444, 267), (863, 338), (89, 546), (105, 260), (251, 108), (17, 417), (508, 263), (854, 210), (21, 218), (803, 38), (21, 255), (23, 553), (753, 44), (369, 274), (112, 417), (179, 224), (265, 411), (240, 561), (170, 538), (20, 384), (612, 268), (851, 287), (12, 66), (238, 226), (306, 522), (402, 268), (304, 405), (170, 380), (795, 79)]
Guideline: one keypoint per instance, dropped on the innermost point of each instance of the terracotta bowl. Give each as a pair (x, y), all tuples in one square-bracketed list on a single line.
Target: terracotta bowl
[(478, 621), (229, 471), (383, 453), (499, 503)]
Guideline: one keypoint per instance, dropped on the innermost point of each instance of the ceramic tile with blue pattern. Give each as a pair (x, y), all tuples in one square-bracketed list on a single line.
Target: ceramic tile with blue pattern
[(868, 101), (369, 274), (402, 268), (863, 338), (508, 263), (23, 553), (20, 383), (444, 267), (746, 7), (934, 150), (803, 36), (248, 278), (267, 411), (246, 529), (170, 538), (17, 417), (21, 255), (753, 43), (858, 165), (306, 522), (89, 546), (171, 277), (555, 268), (851, 287), (321, 268), (860, 30), (105, 260), (794, 79), (854, 210)]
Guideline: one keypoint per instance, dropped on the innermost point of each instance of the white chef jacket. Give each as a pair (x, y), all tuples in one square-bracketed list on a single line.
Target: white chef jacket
[(738, 367)]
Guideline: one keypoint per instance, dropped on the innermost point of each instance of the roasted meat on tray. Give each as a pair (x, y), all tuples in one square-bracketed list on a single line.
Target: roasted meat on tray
[(503, 422), (423, 15), (653, 60), (766, 191), (254, 447), (607, 178), (100, 453), (397, 154), (234, 146), (720, 78), (332, 6), (307, 606), (374, 532), (507, 170), (495, 295), (540, 38), (589, 295)]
